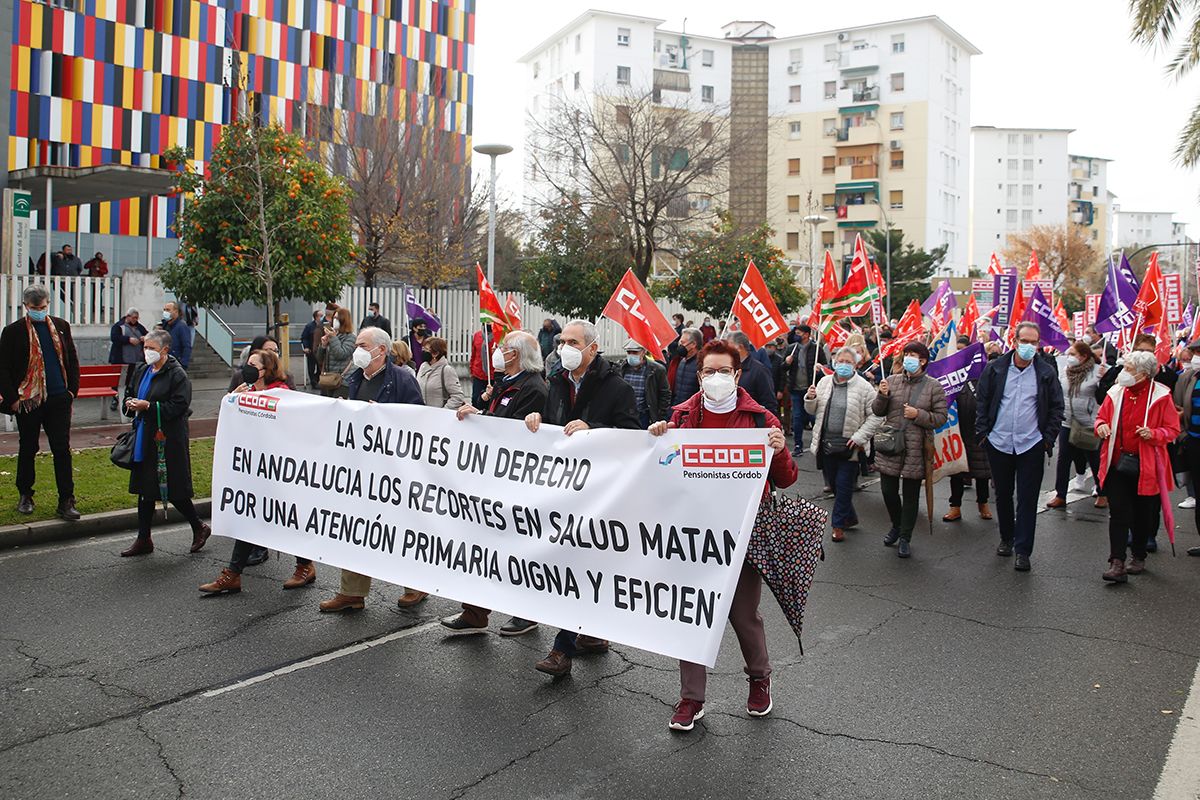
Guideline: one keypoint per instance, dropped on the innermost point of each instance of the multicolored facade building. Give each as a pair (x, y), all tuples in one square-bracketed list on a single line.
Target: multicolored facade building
[(119, 81)]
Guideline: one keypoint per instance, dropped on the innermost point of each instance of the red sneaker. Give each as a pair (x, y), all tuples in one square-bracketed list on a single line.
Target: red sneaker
[(759, 703), (686, 714)]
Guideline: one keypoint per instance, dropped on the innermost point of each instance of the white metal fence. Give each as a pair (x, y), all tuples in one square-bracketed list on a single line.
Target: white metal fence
[(80, 301), (458, 310)]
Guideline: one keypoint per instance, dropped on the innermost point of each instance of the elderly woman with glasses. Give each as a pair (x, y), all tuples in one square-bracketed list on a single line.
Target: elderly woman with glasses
[(1137, 421)]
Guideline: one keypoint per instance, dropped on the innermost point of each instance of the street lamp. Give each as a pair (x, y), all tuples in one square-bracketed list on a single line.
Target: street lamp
[(492, 151), (889, 256), (814, 221)]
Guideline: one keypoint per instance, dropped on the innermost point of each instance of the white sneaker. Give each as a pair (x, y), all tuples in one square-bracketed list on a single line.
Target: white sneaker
[(1188, 502), (1078, 484)]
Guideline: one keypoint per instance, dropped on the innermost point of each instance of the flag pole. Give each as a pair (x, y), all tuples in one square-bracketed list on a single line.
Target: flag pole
[(729, 319)]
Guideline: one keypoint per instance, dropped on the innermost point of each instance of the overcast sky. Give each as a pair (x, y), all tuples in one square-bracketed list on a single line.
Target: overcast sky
[(1045, 63)]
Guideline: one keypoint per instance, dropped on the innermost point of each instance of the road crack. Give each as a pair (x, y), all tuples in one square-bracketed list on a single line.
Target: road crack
[(162, 756), (465, 789)]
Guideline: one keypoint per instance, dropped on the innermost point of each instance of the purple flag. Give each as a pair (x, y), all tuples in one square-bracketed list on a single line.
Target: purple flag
[(416, 311), (1039, 312), (956, 369), (1004, 289), (1189, 316), (944, 295), (1115, 313)]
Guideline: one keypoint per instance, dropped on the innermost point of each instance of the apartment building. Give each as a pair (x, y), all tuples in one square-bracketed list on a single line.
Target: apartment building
[(1090, 201), (852, 129), (1137, 229), (1020, 177)]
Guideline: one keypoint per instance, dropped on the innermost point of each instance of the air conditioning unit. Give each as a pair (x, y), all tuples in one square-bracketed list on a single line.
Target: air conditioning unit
[(895, 144), (842, 37), (793, 69)]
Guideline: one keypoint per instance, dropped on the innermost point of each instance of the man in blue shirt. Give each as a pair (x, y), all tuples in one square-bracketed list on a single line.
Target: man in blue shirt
[(181, 335), (39, 378), (1020, 410)]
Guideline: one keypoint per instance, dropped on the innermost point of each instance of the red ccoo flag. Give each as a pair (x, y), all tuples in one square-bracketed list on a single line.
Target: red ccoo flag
[(632, 307), (1149, 303), (756, 310), (910, 326), (1060, 314), (490, 309), (859, 289), (994, 267), (1034, 271), (827, 289), (969, 318), (513, 312)]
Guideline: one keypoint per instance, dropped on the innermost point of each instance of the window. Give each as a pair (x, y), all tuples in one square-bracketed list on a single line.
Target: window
[(579, 43), (793, 240), (794, 93), (831, 52), (897, 159), (578, 81), (793, 202), (796, 57), (1010, 218), (1027, 169), (1028, 141), (1012, 169), (897, 81), (623, 117), (826, 238), (830, 90), (1013, 140), (706, 94), (828, 164), (897, 43), (707, 57), (537, 69), (706, 130), (623, 37), (622, 76), (1027, 219), (793, 166), (1010, 196), (896, 198), (794, 130), (1027, 194), (623, 153), (828, 202), (829, 127), (897, 119)]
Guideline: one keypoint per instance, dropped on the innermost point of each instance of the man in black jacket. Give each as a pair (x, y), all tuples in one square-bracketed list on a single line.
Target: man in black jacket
[(756, 379), (801, 369), (587, 393), (374, 319), (39, 379), (648, 378), (1019, 414), (519, 392), (312, 367)]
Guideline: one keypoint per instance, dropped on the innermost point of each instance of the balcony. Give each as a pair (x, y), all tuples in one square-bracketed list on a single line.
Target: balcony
[(849, 96), (864, 60), (672, 81), (856, 172), (859, 216), (860, 134)]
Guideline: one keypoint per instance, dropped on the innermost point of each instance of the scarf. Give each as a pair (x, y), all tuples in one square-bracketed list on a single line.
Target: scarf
[(1076, 376), (722, 407), (32, 390)]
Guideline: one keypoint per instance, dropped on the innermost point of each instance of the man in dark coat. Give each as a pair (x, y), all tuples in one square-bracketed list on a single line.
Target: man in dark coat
[(126, 337), (181, 335), (801, 369), (1018, 417), (681, 372), (374, 319), (648, 379), (39, 379), (312, 367), (520, 391), (756, 379), (587, 393), (546, 335)]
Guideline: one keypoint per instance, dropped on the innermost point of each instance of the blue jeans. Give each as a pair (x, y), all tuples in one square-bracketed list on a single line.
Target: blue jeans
[(800, 417), (841, 475)]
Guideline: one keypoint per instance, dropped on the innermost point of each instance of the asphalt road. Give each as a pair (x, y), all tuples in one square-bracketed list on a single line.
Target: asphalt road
[(948, 675)]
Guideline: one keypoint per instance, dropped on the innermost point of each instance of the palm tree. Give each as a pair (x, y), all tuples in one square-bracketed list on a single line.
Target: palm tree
[(1174, 23)]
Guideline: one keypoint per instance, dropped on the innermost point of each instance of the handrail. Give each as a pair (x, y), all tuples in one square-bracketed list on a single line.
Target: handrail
[(217, 333)]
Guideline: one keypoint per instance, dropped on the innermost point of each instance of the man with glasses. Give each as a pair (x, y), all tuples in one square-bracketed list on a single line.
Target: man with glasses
[(649, 381), (1020, 411)]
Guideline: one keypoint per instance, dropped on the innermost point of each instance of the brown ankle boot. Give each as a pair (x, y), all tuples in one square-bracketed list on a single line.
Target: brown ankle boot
[(984, 511), (342, 602), (199, 537), (140, 547), (556, 664), (1136, 565), (228, 581), (303, 576), (411, 598), (1116, 571), (953, 515)]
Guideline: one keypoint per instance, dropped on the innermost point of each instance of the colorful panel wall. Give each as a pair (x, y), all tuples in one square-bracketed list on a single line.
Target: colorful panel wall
[(119, 81)]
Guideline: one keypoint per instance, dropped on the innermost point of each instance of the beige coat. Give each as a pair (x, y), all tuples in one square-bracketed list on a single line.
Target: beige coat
[(860, 425), (439, 384)]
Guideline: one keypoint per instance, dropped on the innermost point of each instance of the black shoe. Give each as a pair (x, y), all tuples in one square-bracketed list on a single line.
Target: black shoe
[(25, 506), (112, 404), (66, 509), (517, 626), (903, 550), (892, 537), (257, 556), (1193, 551), (1151, 545), (797, 452), (458, 626), (1004, 549), (1021, 564)]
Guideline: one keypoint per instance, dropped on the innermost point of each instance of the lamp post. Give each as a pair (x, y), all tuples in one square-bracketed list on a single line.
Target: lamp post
[(888, 249), (492, 151), (814, 221)]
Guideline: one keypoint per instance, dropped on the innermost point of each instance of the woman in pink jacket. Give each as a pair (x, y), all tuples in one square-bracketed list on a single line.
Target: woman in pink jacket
[(1137, 420)]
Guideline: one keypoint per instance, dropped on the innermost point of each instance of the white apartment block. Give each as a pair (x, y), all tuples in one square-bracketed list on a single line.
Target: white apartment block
[(1142, 228), (1091, 202), (1019, 178), (867, 127)]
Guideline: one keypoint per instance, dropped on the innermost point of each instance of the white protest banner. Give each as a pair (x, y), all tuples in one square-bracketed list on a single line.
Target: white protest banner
[(617, 534), (1078, 324), (949, 452), (1093, 306)]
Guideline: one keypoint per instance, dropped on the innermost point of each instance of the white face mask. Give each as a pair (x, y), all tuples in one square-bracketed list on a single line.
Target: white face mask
[(361, 358), (571, 357), (499, 362), (1126, 379), (1072, 361), (337, 323), (152, 357), (718, 387)]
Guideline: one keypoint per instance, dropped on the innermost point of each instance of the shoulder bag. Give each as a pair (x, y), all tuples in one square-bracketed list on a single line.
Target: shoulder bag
[(121, 454), (833, 445), (1083, 438), (1130, 464), (889, 439)]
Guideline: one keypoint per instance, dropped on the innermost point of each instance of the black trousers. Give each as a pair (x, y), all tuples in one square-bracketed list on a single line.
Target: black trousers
[(902, 496), (146, 513), (241, 554), (1131, 516), (1022, 474), (1191, 451), (959, 482), (312, 368), (1070, 456), (53, 416)]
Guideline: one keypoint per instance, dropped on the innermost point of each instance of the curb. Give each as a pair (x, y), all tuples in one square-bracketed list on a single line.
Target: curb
[(57, 530)]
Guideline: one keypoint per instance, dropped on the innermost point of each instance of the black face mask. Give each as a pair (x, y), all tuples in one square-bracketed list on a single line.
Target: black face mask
[(249, 373)]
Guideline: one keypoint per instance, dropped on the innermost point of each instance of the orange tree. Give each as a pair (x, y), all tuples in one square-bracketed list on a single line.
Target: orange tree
[(576, 260), (714, 261), (264, 225)]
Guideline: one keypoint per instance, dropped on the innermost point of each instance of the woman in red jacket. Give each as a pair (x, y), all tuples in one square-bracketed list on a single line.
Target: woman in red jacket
[(720, 403), (1138, 420)]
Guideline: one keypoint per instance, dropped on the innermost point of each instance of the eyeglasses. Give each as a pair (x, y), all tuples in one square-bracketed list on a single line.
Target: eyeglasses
[(704, 373)]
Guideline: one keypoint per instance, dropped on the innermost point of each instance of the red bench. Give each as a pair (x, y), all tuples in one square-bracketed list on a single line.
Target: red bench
[(99, 381)]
